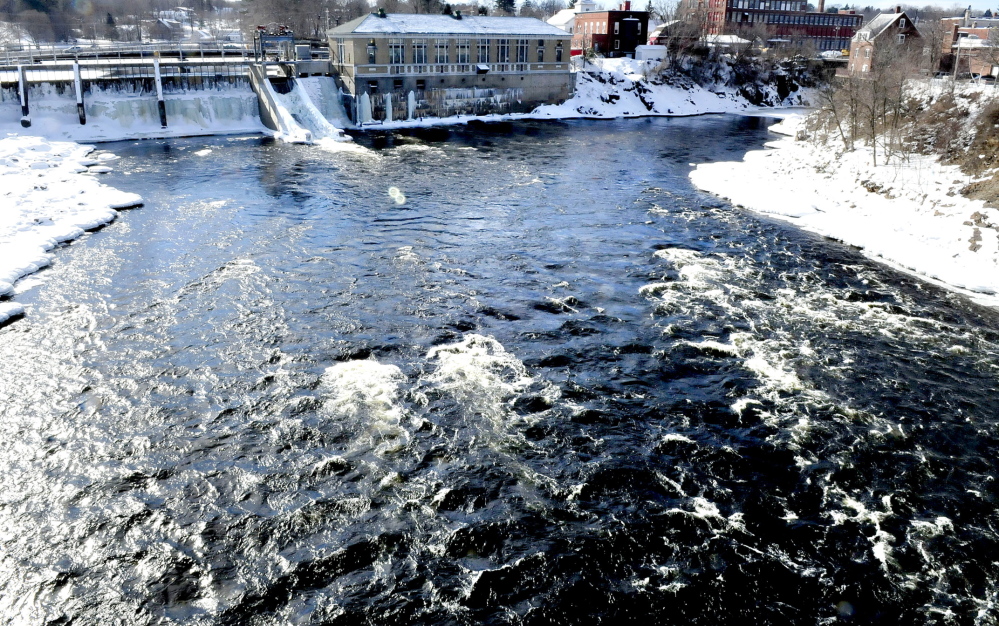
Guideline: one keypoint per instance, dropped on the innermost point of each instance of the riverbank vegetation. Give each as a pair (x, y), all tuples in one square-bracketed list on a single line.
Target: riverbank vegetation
[(896, 118)]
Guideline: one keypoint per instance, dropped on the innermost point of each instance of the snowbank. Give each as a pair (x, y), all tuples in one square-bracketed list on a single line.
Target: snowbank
[(613, 88), (50, 195), (629, 88), (909, 214)]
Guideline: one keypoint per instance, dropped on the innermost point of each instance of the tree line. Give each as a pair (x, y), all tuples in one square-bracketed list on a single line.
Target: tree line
[(133, 20)]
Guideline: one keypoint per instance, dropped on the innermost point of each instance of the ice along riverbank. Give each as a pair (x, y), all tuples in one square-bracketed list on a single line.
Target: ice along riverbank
[(50, 195), (909, 214)]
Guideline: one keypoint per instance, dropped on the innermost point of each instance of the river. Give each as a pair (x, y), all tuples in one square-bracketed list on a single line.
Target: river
[(507, 374)]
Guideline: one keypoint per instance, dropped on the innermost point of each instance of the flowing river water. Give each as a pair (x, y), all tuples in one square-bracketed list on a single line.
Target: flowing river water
[(515, 374)]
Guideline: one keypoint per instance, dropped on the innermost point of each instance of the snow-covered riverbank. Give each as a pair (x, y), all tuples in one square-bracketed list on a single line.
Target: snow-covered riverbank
[(615, 88), (49, 194), (909, 214)]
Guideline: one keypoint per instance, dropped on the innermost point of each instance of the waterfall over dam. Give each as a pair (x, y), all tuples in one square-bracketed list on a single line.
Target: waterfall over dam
[(140, 100)]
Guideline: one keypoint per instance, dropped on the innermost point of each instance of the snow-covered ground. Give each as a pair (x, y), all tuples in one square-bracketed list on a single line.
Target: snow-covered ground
[(49, 194), (613, 88), (629, 88), (910, 215)]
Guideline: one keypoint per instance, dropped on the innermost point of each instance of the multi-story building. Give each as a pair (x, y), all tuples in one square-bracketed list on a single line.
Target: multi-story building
[(887, 30), (780, 21), (611, 33), (451, 63), (970, 43), (566, 18)]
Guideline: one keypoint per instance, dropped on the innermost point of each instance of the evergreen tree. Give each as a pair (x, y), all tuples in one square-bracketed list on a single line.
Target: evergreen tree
[(505, 6)]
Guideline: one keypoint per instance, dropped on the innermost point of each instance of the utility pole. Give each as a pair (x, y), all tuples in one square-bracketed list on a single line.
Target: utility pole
[(957, 58)]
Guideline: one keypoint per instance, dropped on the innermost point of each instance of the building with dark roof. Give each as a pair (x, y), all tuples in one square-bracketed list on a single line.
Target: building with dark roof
[(887, 29)]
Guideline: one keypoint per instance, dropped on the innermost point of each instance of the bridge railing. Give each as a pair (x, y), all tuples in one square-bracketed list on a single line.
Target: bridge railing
[(20, 54)]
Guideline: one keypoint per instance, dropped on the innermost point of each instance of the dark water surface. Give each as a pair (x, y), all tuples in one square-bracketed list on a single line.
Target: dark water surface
[(556, 385)]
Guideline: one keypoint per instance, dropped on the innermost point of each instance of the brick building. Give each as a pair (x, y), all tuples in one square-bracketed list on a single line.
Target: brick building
[(783, 22), (887, 29), (971, 43), (610, 33)]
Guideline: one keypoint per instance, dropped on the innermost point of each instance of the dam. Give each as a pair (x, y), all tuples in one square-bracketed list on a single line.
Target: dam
[(170, 93)]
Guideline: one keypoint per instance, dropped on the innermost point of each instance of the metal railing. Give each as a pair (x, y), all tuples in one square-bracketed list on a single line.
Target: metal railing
[(21, 54), (136, 73)]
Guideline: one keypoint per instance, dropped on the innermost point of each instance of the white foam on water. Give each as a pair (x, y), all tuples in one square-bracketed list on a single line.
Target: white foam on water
[(880, 540), (405, 253), (483, 377), (368, 392)]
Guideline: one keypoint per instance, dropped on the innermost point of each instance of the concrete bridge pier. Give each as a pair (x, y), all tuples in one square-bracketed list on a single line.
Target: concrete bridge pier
[(22, 86), (78, 87), (160, 103)]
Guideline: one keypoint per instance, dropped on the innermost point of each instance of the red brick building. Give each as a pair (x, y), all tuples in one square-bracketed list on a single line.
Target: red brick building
[(610, 33), (887, 29), (971, 43), (783, 21)]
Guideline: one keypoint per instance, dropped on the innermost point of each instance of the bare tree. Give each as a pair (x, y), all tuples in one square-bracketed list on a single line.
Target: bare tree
[(682, 30)]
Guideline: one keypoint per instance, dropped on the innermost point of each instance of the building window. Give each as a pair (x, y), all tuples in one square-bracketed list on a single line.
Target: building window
[(617, 28), (397, 84), (617, 44), (397, 52), (419, 51), (867, 53), (864, 69), (372, 87), (558, 52), (421, 84), (461, 47), (341, 51), (541, 53), (639, 31), (522, 45), (901, 38), (482, 51), (901, 22), (371, 51), (440, 51), (503, 51)]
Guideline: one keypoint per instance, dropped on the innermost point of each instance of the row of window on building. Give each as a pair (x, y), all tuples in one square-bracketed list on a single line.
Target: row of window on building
[(782, 18), (600, 28), (764, 4), (442, 51), (832, 44)]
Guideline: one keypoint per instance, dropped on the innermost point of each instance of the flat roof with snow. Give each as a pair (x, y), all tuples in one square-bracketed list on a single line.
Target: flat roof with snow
[(410, 24)]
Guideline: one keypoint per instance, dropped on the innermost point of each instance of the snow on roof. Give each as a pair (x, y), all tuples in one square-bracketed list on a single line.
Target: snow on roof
[(406, 23), (562, 18), (878, 25), (973, 42), (725, 40)]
